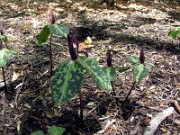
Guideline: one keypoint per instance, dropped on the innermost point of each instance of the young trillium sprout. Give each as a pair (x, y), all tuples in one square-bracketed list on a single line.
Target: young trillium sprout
[(111, 71), (142, 57)]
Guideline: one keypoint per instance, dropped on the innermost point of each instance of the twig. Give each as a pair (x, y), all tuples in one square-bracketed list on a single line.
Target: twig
[(156, 121), (176, 106)]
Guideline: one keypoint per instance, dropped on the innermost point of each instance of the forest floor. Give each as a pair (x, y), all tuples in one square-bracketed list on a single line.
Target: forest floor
[(126, 28)]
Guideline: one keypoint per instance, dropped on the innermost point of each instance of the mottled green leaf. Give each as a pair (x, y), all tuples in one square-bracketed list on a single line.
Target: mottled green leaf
[(43, 36), (59, 29), (111, 72), (133, 59), (67, 81), (56, 130), (122, 69), (39, 132), (150, 66), (98, 75), (4, 56), (140, 72), (3, 38)]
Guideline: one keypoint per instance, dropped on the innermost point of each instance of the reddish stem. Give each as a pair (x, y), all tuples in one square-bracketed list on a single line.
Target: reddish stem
[(128, 94)]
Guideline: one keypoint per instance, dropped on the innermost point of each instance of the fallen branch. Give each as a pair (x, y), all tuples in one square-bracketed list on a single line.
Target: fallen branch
[(156, 121)]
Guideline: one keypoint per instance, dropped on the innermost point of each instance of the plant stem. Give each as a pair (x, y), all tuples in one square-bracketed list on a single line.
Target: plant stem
[(114, 93), (4, 78), (50, 55), (129, 94), (81, 108)]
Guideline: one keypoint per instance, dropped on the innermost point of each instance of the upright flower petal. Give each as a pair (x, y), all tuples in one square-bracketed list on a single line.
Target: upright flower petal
[(75, 41), (71, 48), (109, 58), (142, 57), (52, 17)]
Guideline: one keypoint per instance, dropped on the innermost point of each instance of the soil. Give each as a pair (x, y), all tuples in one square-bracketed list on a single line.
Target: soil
[(126, 27)]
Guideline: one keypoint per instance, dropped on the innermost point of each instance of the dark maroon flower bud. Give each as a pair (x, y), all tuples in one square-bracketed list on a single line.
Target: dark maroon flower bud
[(1, 45), (109, 58), (52, 17), (75, 41), (1, 31), (72, 51), (142, 57)]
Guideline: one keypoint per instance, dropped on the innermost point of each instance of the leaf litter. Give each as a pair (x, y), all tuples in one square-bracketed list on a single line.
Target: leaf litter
[(126, 30)]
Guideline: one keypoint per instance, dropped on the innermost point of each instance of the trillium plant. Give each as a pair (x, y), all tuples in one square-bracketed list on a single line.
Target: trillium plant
[(4, 56), (111, 71), (49, 30), (140, 70), (70, 74)]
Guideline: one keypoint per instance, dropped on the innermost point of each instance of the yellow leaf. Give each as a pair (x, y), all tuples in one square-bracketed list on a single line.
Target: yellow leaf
[(86, 44), (88, 41)]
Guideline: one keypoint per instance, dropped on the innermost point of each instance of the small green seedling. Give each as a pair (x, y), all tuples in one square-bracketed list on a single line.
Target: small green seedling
[(53, 130), (49, 30), (70, 74), (174, 33), (140, 70), (4, 56)]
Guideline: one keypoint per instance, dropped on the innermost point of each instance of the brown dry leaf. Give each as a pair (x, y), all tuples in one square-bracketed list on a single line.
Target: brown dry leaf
[(146, 121)]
